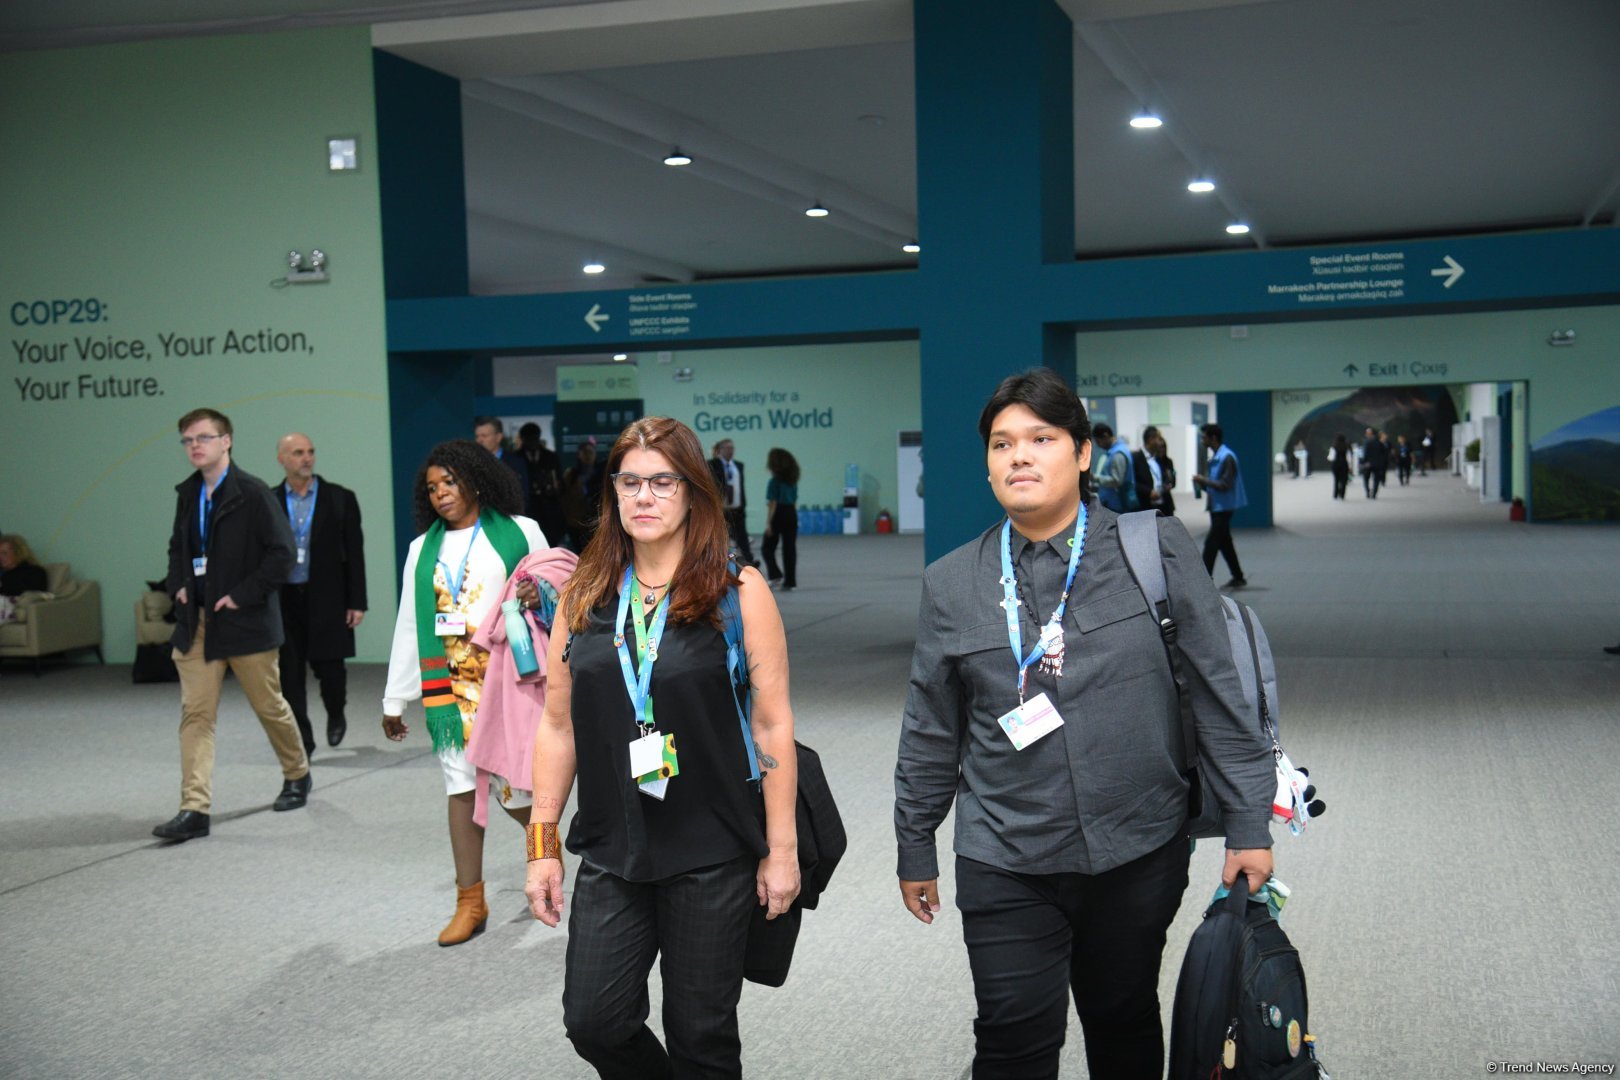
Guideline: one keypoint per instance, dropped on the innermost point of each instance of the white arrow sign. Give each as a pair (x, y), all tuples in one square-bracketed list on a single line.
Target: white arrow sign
[(594, 318), (1451, 271)]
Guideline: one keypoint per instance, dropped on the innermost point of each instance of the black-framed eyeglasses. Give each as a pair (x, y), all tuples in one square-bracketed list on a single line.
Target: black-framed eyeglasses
[(663, 484), (188, 440)]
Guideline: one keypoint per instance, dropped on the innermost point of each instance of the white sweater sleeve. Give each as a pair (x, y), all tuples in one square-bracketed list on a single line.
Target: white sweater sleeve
[(531, 530), (404, 664)]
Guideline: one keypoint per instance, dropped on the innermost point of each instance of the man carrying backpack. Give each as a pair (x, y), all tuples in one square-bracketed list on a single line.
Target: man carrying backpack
[(1065, 762)]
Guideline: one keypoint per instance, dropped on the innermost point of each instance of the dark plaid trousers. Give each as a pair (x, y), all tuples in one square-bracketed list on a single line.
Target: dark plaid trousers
[(697, 923)]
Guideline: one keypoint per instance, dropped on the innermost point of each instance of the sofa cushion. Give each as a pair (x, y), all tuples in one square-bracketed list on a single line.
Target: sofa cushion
[(155, 605), (13, 634), (58, 575)]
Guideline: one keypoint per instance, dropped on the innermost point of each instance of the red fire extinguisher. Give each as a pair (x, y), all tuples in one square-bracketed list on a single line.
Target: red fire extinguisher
[(885, 523)]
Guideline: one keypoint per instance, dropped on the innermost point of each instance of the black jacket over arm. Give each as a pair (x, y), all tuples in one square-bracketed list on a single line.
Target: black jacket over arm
[(337, 568), (250, 551)]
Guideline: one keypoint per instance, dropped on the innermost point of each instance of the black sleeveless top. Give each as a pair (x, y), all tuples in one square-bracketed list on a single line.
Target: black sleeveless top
[(712, 812)]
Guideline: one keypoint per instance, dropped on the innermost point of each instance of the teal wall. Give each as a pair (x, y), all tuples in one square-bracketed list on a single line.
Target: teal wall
[(167, 180), (828, 405)]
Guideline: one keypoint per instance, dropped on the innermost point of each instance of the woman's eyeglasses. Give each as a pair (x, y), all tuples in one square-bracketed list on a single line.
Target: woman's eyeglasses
[(663, 484)]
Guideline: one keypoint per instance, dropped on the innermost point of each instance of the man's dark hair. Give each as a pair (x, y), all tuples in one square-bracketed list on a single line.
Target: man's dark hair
[(1101, 431), (530, 434), (221, 421), (492, 484), (1149, 432), (1043, 392), (492, 421), (1213, 431)]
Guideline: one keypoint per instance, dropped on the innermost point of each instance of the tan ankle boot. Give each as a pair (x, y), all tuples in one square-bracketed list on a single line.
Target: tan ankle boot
[(471, 915)]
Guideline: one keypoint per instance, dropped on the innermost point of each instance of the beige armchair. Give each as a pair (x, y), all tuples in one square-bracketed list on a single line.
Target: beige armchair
[(67, 615)]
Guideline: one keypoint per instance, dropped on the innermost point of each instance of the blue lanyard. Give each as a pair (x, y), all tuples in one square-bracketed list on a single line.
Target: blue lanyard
[(205, 507), (640, 687), (455, 582), (301, 536), (1054, 625)]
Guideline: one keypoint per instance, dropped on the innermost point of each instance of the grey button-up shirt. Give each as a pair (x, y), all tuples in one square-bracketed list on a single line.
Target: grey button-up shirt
[(1106, 787)]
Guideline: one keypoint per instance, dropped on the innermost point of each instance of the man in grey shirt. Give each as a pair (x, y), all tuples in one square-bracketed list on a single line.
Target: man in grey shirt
[(1064, 761)]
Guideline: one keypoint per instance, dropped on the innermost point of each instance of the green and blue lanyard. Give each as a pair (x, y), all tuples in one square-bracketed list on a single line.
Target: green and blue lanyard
[(1009, 590), (639, 686)]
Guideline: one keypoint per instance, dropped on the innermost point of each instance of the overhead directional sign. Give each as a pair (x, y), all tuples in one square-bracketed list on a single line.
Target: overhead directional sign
[(1470, 273)]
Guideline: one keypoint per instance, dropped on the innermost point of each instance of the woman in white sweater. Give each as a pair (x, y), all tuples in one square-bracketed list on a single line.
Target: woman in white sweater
[(467, 502)]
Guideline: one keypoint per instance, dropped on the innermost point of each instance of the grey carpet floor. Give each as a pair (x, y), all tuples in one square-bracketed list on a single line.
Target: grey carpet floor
[(1440, 676)]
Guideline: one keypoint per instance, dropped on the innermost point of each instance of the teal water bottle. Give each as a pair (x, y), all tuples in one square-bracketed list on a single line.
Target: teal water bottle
[(517, 634)]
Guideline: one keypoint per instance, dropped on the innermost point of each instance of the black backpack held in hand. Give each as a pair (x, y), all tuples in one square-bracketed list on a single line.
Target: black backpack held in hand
[(1241, 1008)]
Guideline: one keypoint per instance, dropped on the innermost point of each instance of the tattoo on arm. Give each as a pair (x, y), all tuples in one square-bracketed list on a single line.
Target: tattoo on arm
[(546, 802), (765, 760)]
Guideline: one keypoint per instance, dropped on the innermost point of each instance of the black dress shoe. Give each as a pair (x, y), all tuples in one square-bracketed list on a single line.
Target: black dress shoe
[(336, 728), (1612, 650), (294, 793), (185, 825)]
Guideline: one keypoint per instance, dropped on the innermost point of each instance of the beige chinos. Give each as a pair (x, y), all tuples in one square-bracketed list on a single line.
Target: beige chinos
[(200, 683)]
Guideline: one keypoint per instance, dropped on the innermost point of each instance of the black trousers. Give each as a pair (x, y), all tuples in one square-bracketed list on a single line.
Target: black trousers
[(1341, 480), (737, 525), (1219, 541), (697, 923), (1032, 939), (784, 527), (333, 676)]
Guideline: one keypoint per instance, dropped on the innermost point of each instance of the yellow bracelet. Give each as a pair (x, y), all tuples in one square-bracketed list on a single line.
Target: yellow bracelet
[(543, 841)]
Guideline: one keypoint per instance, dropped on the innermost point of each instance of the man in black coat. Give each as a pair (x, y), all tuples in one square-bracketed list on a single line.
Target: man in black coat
[(728, 474), (1374, 464), (229, 552), (324, 598)]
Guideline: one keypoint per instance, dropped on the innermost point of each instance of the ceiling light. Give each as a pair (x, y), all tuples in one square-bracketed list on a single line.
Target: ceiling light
[(677, 158), (1200, 187), (594, 268), (1146, 120), (911, 247), (816, 211), (1237, 228), (621, 356)]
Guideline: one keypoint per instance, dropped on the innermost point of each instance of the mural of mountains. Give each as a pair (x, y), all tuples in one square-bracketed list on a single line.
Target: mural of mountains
[(1577, 480), (1399, 410)]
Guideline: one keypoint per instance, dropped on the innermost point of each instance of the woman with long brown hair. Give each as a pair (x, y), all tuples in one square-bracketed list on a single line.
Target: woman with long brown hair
[(678, 843)]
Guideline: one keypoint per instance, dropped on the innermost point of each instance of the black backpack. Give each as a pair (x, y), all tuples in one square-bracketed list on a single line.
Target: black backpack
[(1241, 1008)]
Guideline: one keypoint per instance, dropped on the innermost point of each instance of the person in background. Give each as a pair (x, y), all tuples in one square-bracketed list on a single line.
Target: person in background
[(1425, 452), (728, 477), (20, 571), (1341, 466), (675, 859), (324, 598), (1155, 473), (490, 433), (1226, 496), (1403, 460), (545, 480), (1386, 459), (1113, 468), (229, 552), (782, 518), (581, 490), (1374, 463), (467, 505)]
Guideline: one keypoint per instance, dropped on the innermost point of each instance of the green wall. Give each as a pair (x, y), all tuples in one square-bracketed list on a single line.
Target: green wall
[(167, 181), (850, 401)]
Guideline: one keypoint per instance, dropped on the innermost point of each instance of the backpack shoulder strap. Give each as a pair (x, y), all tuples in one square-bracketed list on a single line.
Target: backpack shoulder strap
[(1139, 537), (737, 668)]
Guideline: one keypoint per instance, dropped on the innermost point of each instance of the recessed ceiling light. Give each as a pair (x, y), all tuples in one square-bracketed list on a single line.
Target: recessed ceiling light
[(872, 120), (911, 247), (1201, 186), (677, 158), (621, 356), (816, 211), (1146, 120), (594, 268), (1237, 228)]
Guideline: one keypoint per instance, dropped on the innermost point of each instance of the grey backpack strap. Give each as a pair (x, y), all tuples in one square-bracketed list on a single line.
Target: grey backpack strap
[(1139, 537)]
